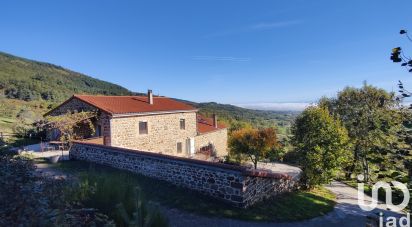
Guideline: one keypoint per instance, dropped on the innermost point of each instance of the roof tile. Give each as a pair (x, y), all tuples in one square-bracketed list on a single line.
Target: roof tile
[(133, 104), (205, 125)]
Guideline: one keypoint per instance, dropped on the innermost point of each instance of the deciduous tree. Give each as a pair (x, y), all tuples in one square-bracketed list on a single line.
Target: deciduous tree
[(322, 145), (253, 143), (372, 119)]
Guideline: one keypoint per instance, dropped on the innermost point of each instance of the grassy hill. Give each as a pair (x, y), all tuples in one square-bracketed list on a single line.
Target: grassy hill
[(29, 88)]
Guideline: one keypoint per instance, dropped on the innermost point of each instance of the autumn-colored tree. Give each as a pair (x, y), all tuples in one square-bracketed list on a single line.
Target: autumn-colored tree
[(69, 122), (253, 143)]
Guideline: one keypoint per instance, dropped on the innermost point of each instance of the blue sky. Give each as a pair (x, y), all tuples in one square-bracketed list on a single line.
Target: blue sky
[(225, 51)]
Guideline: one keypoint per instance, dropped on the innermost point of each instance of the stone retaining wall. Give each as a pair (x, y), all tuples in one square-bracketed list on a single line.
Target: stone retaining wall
[(233, 184)]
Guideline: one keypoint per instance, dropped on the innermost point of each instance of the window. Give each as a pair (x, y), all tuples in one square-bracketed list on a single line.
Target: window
[(143, 127), (179, 147), (182, 124)]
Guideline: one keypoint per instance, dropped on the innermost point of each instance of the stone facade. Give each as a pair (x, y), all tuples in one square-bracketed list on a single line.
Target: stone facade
[(162, 136), (70, 106), (217, 138), (232, 184)]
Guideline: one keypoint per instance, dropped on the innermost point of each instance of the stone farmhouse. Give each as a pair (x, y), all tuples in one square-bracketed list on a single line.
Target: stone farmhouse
[(149, 123), (168, 140)]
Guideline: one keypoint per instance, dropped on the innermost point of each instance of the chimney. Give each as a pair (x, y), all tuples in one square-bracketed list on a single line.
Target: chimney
[(215, 120), (150, 97)]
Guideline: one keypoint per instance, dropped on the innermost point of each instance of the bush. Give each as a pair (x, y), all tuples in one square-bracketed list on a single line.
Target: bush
[(276, 154), (28, 199), (292, 157)]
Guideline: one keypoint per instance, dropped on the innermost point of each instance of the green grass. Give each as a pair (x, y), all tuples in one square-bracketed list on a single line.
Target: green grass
[(6, 125), (7, 120), (18, 142), (287, 207)]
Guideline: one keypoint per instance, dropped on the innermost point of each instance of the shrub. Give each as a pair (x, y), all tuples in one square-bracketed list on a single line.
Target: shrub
[(28, 199)]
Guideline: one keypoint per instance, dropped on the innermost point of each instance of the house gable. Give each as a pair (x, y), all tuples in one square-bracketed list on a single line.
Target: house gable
[(71, 105)]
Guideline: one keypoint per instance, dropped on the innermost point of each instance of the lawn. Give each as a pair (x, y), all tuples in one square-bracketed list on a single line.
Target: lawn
[(18, 142), (118, 184), (6, 124)]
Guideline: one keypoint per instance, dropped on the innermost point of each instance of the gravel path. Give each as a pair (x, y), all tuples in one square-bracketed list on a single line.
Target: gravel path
[(346, 213)]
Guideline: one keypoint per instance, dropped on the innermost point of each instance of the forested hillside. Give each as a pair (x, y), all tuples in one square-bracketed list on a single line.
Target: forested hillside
[(238, 117), (31, 80)]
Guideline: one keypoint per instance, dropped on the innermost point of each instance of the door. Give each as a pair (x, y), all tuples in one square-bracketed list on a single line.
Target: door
[(99, 130), (190, 146)]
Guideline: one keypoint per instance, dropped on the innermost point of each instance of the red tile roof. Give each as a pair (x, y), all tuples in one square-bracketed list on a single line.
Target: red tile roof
[(205, 125), (133, 104)]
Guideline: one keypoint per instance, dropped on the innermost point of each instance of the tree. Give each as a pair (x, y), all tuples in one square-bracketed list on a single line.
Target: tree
[(253, 143), (372, 119), (24, 124), (398, 55), (321, 142)]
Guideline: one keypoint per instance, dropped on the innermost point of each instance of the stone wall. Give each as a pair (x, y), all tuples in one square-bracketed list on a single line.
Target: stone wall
[(260, 188), (218, 138), (232, 184)]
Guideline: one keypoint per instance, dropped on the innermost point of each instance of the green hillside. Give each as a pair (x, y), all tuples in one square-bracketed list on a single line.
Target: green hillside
[(28, 89), (31, 80)]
